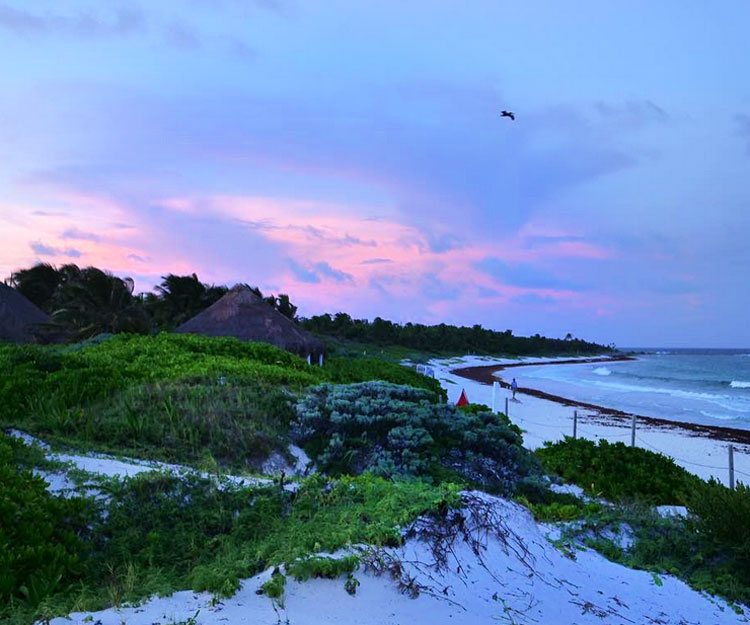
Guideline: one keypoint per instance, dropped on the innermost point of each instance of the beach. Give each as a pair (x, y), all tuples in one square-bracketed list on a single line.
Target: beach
[(699, 448)]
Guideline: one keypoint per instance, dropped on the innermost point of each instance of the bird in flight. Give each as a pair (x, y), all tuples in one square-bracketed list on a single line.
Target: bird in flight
[(508, 114)]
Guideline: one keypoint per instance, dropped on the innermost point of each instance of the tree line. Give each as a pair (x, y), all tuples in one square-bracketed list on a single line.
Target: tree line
[(446, 338), (88, 301)]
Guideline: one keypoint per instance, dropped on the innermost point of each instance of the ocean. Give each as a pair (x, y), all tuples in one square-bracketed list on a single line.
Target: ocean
[(708, 386)]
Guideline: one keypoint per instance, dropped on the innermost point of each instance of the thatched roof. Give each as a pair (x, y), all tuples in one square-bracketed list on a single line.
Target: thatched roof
[(20, 320), (244, 315)]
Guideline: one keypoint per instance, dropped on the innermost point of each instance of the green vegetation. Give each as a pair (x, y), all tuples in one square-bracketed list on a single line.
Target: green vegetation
[(163, 532), (41, 545), (710, 549), (86, 302), (450, 339), (396, 430), (172, 397), (617, 472), (237, 424), (696, 549)]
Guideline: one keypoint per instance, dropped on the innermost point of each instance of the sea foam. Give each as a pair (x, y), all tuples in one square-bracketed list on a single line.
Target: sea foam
[(602, 371), (739, 384)]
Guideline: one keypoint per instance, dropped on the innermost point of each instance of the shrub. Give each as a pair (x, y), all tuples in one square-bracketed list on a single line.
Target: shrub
[(723, 520), (194, 531), (617, 472), (389, 430), (37, 379), (40, 546), (239, 424), (352, 370)]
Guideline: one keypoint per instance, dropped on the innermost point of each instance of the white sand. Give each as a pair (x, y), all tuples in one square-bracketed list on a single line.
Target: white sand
[(515, 576), (543, 420)]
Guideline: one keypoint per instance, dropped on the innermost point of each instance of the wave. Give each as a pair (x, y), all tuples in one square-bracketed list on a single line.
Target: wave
[(602, 371), (725, 401), (719, 416), (739, 384)]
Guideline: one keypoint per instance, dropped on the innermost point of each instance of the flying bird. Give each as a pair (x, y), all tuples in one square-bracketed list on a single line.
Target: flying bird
[(508, 114)]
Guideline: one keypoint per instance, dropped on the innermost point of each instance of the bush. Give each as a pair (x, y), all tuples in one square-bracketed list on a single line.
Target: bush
[(617, 472), (238, 424), (352, 370), (40, 546), (390, 430), (190, 531), (723, 520), (57, 381)]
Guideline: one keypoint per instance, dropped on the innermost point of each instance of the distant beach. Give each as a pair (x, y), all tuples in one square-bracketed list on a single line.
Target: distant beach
[(543, 416)]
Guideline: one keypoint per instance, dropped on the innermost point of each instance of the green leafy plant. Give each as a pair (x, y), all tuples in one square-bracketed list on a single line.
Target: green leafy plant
[(388, 430), (617, 472)]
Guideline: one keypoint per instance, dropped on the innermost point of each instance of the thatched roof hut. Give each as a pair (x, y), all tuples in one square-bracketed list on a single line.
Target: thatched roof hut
[(20, 320), (244, 315)]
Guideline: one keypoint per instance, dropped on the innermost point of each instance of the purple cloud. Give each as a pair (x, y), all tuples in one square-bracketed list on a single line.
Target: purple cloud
[(41, 249), (84, 24), (80, 235)]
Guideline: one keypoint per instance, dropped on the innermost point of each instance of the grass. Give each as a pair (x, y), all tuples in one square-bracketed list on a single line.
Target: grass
[(170, 397), (163, 533), (618, 472)]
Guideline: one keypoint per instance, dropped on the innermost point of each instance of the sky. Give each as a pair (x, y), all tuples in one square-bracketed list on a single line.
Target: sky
[(352, 155)]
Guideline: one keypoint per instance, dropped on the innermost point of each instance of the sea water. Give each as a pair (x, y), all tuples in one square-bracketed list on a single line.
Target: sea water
[(699, 386)]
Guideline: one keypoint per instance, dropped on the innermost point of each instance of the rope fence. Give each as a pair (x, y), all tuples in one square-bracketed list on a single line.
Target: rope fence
[(577, 430)]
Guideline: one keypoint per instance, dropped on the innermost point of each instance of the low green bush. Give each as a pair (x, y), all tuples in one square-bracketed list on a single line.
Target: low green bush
[(60, 382), (388, 430), (352, 370), (189, 532), (239, 424), (722, 518), (41, 546), (617, 472)]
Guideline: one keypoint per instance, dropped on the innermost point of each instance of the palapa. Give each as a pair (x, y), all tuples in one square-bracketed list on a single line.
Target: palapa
[(244, 315), (20, 320)]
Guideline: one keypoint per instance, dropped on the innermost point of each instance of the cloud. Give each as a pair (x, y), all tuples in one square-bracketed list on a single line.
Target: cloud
[(325, 269), (182, 36), (40, 213), (41, 249), (376, 261), (75, 233), (433, 288), (524, 275), (632, 112), (125, 21), (533, 299), (318, 271), (138, 259), (743, 128), (304, 275)]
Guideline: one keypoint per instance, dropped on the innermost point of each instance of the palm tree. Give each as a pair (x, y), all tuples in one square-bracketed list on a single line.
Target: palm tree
[(180, 298), (37, 284), (91, 301)]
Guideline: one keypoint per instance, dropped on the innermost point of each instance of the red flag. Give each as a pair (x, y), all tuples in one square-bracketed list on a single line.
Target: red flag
[(463, 400)]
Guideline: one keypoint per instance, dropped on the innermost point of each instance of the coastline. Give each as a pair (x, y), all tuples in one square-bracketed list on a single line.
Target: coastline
[(547, 418), (485, 374)]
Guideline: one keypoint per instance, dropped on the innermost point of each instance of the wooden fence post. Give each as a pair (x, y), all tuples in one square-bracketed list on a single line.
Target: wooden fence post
[(495, 387), (632, 433), (575, 424), (506, 408), (731, 466)]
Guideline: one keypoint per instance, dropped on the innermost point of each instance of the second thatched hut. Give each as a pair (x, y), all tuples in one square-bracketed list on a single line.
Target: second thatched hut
[(244, 315)]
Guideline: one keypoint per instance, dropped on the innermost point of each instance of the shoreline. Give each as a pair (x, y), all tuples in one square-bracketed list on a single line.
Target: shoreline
[(484, 374)]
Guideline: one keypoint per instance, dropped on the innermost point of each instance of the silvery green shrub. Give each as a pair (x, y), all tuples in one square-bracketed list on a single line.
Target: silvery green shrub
[(388, 429)]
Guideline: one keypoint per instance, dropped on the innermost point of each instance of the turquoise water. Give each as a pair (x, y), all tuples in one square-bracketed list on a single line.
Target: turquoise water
[(699, 386)]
